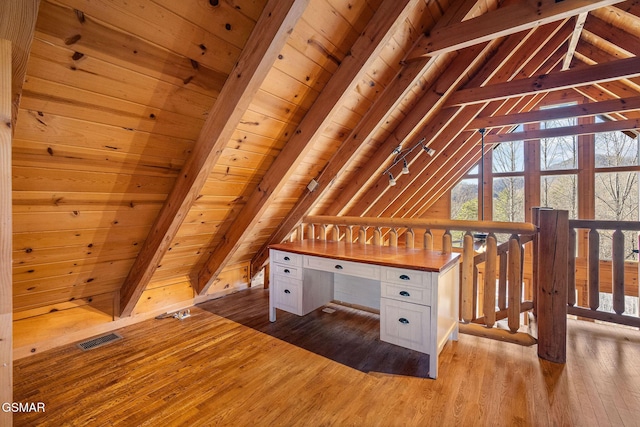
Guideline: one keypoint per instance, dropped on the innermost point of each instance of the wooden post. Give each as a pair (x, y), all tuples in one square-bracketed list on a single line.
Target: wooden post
[(514, 283), (594, 269), (409, 238), (552, 264), (489, 306), (393, 238), (617, 276), (467, 279), (6, 286), (428, 240)]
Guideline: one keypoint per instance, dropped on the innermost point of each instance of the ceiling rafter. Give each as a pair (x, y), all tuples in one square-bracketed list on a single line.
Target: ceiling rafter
[(260, 52), (378, 32), (389, 100), (440, 130), (589, 109), (609, 71), (581, 129), (504, 21), (405, 199), (577, 32)]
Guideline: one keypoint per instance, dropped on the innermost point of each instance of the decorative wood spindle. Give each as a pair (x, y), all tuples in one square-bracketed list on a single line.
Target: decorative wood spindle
[(447, 242), (311, 232), (377, 236), (301, 230), (324, 230), (617, 276), (467, 278), (335, 233), (428, 240), (594, 269), (409, 238), (393, 238), (502, 282), (362, 235), (571, 272), (348, 234), (489, 306), (514, 283)]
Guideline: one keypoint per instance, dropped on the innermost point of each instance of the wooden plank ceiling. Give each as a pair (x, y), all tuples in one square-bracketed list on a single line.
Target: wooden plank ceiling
[(159, 141)]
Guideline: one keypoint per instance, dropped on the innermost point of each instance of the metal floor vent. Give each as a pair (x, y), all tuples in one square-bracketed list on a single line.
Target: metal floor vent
[(100, 341)]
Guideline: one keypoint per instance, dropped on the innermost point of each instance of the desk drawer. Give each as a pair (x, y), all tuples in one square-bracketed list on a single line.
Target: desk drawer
[(286, 258), (287, 294), (407, 292), (405, 276), (287, 271), (405, 324), (366, 271)]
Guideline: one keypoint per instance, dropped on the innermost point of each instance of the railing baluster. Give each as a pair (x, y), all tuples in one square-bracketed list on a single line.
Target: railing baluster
[(617, 272), (515, 283), (467, 278), (447, 243), (312, 231), (324, 228), (301, 233), (409, 237), (393, 238), (594, 269), (348, 234), (489, 306), (362, 235), (377, 236), (428, 240), (571, 273), (335, 233)]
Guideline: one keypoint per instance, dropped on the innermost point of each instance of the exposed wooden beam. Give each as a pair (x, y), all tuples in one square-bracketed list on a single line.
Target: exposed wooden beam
[(6, 281), (584, 129), (501, 22), (449, 123), (453, 146), (614, 70), (588, 109), (365, 50), (388, 101), (577, 32), (260, 52), (17, 24), (622, 39)]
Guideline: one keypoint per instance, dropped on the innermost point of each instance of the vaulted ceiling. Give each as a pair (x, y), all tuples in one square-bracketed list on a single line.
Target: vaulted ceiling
[(162, 140)]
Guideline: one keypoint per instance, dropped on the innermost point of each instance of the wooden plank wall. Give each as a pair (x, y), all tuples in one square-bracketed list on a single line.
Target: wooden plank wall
[(6, 358)]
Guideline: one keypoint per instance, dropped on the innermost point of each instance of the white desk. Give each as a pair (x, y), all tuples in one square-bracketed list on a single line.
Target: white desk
[(417, 290)]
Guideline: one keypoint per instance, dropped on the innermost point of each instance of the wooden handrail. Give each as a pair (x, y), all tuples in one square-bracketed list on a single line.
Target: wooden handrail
[(604, 224), (485, 226)]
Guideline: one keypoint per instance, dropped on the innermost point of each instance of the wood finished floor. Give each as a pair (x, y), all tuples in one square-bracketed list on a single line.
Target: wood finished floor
[(228, 365)]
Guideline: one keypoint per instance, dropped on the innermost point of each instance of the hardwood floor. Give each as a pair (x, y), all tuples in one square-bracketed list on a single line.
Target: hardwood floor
[(228, 365)]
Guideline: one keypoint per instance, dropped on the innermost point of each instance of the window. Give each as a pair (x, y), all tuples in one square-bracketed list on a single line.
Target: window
[(560, 192), (558, 153), (464, 205)]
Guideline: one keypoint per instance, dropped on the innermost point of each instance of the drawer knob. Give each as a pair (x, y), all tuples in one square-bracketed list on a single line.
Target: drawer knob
[(287, 258), (405, 294), (286, 270), (338, 267), (403, 321), (287, 291), (404, 277)]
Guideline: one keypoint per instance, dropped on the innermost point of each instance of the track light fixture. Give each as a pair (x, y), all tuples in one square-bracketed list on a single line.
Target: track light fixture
[(401, 156), (405, 168)]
